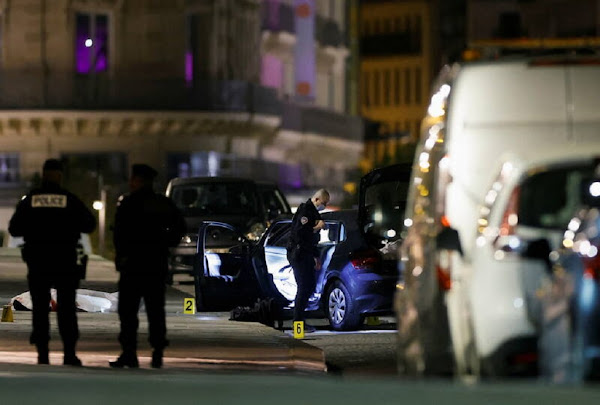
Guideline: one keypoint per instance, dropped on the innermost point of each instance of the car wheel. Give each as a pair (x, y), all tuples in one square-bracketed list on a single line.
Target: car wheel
[(341, 312)]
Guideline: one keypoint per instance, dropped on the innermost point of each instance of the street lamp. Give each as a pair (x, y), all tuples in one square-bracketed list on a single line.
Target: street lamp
[(100, 206)]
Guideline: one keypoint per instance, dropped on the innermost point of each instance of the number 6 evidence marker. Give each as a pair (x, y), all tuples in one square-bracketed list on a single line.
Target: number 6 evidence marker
[(299, 330)]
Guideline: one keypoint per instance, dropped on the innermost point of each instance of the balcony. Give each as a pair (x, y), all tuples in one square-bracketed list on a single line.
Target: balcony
[(69, 91), (279, 17), (302, 118)]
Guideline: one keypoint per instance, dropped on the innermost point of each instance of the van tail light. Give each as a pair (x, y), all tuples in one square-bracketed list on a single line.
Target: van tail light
[(365, 259), (443, 269), (510, 219)]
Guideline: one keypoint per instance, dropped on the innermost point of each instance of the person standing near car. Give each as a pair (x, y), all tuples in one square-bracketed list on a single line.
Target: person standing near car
[(51, 219), (302, 252), (146, 225)]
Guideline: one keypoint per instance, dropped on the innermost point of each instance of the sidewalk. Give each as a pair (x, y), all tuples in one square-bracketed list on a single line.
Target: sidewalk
[(198, 341)]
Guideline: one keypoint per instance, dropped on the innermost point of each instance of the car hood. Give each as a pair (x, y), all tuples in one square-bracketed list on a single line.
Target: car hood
[(241, 222)]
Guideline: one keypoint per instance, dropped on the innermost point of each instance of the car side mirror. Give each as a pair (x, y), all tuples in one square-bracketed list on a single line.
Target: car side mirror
[(539, 249), (448, 239)]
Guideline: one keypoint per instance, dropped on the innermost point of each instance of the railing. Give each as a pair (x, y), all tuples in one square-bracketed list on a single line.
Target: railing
[(313, 119), (69, 91), (277, 17)]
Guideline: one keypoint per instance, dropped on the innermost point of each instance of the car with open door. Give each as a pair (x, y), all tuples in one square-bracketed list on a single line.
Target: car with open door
[(357, 251)]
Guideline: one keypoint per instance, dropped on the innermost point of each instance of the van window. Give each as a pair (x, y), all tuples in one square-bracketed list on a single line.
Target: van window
[(550, 199), (199, 199)]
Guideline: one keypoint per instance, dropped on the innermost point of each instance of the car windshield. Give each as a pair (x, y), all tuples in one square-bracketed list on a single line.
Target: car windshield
[(549, 199), (199, 199)]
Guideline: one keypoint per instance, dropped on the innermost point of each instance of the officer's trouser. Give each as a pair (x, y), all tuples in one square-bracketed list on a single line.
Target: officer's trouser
[(40, 281), (303, 265), (132, 288)]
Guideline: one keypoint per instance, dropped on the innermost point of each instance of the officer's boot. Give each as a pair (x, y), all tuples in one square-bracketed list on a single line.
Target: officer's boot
[(157, 358), (70, 358), (43, 354), (126, 359)]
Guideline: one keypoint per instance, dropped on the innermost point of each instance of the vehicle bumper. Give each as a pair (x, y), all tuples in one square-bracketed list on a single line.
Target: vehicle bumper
[(181, 260), (373, 294)]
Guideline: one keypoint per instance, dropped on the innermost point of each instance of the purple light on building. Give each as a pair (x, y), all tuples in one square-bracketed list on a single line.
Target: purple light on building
[(271, 74), (189, 67), (91, 43)]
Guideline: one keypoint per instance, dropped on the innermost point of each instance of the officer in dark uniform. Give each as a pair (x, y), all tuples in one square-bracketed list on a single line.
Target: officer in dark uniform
[(51, 219), (302, 250), (146, 225)]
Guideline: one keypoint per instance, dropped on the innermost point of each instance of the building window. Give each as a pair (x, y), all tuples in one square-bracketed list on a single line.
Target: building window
[(91, 43), (9, 168), (418, 85), (386, 87), (365, 89), (407, 86), (397, 86), (376, 98)]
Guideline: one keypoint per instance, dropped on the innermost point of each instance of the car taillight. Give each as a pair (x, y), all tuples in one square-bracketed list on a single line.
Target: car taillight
[(365, 259), (591, 267), (443, 268), (510, 219)]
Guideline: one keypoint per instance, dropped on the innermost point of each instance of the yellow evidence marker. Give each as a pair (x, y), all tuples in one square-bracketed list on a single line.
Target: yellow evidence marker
[(299, 330), (189, 306), (7, 314)]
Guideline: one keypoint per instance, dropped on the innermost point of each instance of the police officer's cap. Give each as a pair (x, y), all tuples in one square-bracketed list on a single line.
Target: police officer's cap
[(53, 165), (143, 171)]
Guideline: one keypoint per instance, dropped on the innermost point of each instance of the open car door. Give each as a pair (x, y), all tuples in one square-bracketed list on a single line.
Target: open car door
[(382, 202), (277, 271), (223, 274)]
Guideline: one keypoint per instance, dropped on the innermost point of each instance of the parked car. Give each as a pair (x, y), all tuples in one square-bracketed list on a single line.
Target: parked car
[(480, 112), (358, 252), (566, 310), (246, 204), (356, 279)]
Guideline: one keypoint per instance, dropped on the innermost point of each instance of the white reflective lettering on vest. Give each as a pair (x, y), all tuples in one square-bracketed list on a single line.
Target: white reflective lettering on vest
[(49, 200)]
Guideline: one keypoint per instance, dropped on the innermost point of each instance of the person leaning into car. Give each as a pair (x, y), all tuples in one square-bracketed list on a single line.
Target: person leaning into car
[(146, 225), (302, 252), (51, 219)]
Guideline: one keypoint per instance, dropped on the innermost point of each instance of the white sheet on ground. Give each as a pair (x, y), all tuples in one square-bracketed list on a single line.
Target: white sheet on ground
[(85, 300)]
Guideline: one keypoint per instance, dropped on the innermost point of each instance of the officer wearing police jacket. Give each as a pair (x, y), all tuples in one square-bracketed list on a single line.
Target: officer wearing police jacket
[(51, 219), (146, 225), (302, 250)]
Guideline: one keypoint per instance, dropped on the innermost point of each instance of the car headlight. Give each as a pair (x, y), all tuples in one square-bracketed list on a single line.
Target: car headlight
[(255, 232)]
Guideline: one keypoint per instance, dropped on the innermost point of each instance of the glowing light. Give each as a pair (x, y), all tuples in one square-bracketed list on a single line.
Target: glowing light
[(518, 303), (97, 205), (506, 169), (514, 243), (390, 233), (438, 102), (513, 219), (417, 271), (595, 189), (568, 243), (408, 222), (569, 235), (593, 251), (480, 241), (445, 162), (89, 43), (574, 224), (499, 255), (490, 197)]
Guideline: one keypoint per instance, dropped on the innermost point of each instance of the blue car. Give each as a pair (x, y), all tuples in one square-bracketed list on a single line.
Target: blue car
[(356, 279)]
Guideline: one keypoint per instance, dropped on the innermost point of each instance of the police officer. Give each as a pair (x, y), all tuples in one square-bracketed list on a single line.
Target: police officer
[(51, 219), (146, 225), (302, 252)]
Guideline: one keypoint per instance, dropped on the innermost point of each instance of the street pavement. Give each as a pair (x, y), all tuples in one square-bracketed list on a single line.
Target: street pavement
[(203, 340)]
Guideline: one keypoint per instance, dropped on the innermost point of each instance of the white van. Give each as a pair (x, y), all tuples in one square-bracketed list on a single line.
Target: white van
[(479, 113)]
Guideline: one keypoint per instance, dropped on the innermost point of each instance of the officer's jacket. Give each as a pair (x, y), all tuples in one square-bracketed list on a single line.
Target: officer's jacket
[(302, 235), (50, 216), (146, 225)]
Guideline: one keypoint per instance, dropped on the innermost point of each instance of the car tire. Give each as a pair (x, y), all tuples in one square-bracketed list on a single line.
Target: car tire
[(340, 309)]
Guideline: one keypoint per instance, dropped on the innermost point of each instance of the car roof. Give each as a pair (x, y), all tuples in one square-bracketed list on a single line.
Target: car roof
[(553, 155)]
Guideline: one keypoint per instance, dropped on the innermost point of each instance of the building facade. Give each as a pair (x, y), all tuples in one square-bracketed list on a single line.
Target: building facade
[(192, 87), (396, 71)]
